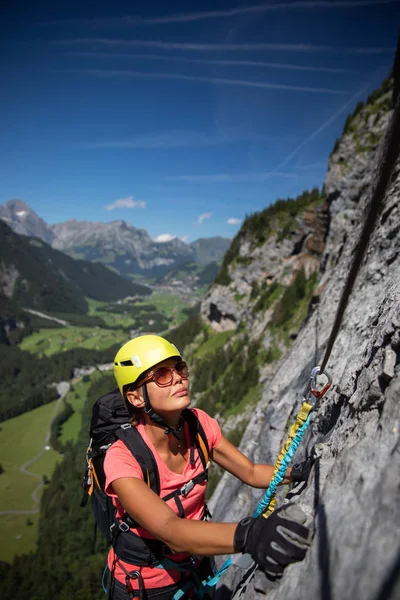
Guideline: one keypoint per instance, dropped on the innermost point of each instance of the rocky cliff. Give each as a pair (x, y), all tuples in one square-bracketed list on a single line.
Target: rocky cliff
[(353, 490), (294, 240)]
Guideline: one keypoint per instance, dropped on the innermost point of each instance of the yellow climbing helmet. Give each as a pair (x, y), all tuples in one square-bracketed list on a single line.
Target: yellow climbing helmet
[(140, 354)]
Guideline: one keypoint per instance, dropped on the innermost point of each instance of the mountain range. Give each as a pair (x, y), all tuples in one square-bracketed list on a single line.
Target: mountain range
[(126, 249), (37, 276)]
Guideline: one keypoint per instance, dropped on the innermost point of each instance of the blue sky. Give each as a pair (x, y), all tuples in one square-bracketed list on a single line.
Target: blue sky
[(180, 117)]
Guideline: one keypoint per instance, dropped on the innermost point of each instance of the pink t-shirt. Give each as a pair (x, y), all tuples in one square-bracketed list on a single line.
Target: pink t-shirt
[(120, 462)]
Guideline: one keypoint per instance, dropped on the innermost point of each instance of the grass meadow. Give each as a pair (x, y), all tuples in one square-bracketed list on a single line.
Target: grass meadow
[(51, 341), (21, 439)]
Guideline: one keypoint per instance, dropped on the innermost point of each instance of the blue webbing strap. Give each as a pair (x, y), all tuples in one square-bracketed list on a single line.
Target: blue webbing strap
[(166, 563), (103, 579), (212, 582)]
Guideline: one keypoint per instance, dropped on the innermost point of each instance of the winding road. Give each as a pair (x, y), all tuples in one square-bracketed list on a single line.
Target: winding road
[(44, 316), (62, 388)]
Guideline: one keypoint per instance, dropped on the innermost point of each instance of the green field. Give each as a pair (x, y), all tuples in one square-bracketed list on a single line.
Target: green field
[(156, 314), (111, 319), (76, 397), (134, 315), (18, 534), (170, 305), (21, 439), (51, 341)]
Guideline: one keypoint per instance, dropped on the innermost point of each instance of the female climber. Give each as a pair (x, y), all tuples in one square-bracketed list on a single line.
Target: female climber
[(163, 540)]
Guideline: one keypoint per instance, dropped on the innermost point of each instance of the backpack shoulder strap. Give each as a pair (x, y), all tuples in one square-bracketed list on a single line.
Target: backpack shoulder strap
[(132, 439), (198, 436)]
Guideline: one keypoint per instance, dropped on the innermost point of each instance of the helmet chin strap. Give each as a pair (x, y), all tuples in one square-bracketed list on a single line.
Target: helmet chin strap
[(176, 431)]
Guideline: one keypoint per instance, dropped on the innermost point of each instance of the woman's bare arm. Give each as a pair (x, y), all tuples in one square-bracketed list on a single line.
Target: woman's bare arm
[(227, 456), (181, 535)]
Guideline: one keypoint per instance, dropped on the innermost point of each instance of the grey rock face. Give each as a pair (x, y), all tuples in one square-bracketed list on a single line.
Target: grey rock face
[(22, 219), (277, 260), (354, 488), (8, 278)]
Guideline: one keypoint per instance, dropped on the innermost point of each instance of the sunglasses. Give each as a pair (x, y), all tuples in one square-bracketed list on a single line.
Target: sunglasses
[(163, 375)]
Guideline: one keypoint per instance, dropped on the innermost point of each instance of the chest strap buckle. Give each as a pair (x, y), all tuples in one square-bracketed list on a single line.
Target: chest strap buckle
[(185, 489)]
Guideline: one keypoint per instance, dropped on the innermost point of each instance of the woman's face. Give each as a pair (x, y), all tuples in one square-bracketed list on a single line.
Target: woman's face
[(167, 401), (173, 397)]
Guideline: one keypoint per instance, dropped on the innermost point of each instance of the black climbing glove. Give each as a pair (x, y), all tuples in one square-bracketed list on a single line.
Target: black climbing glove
[(301, 471), (275, 542)]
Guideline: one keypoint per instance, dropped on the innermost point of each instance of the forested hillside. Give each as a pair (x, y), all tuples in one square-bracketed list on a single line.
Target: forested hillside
[(34, 275), (28, 380)]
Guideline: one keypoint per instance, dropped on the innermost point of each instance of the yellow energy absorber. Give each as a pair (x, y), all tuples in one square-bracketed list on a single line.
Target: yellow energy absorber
[(93, 478), (203, 447), (300, 420)]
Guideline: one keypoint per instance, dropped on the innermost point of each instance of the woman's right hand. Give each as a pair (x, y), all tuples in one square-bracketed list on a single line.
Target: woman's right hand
[(276, 541)]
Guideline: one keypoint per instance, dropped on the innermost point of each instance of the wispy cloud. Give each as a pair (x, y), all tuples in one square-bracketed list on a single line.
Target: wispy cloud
[(234, 221), (131, 21), (201, 79), (211, 47), (164, 237), (202, 217), (177, 139), (232, 178), (126, 203), (203, 61), (325, 124)]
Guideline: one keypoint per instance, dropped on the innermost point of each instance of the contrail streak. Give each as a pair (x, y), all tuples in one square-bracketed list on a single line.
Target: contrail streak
[(323, 126), (229, 178), (195, 78), (210, 47), (202, 61), (131, 21)]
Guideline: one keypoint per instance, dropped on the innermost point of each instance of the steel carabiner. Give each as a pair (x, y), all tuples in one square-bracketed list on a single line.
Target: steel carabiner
[(311, 388)]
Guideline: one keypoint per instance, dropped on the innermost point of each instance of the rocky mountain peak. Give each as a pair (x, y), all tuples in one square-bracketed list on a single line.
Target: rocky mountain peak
[(22, 219)]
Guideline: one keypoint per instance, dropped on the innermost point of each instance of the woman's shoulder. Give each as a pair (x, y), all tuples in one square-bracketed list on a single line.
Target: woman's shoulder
[(118, 451), (201, 415), (119, 461)]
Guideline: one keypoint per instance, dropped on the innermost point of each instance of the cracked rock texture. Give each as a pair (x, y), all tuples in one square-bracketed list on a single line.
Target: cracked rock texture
[(353, 491), (276, 260)]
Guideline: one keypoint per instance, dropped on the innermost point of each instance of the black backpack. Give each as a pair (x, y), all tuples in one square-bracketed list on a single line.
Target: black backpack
[(110, 421)]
